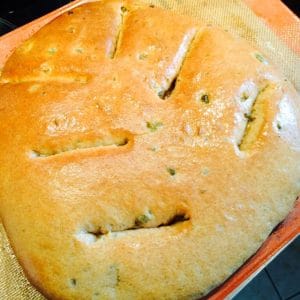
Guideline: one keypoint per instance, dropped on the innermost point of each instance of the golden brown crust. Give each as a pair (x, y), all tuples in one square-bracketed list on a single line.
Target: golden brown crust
[(142, 159)]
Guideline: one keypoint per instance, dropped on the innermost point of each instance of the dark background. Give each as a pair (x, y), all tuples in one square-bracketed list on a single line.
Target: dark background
[(16, 13)]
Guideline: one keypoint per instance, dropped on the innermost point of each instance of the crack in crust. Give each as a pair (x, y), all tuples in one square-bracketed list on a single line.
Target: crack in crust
[(94, 233), (255, 119), (114, 140), (118, 38), (63, 78), (172, 72)]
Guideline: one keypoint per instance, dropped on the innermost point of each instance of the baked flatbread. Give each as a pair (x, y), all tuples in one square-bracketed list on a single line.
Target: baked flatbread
[(142, 155)]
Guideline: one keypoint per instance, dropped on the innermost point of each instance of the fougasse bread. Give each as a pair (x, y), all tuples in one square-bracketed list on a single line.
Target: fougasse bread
[(143, 155)]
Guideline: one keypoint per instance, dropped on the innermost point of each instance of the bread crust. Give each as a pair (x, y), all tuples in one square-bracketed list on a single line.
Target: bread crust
[(143, 155)]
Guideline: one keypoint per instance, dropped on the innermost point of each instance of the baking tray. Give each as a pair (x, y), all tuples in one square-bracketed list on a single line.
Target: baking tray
[(280, 19), (286, 231)]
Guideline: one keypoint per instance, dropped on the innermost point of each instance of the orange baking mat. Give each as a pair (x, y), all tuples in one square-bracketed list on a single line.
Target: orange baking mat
[(287, 26), (282, 20)]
